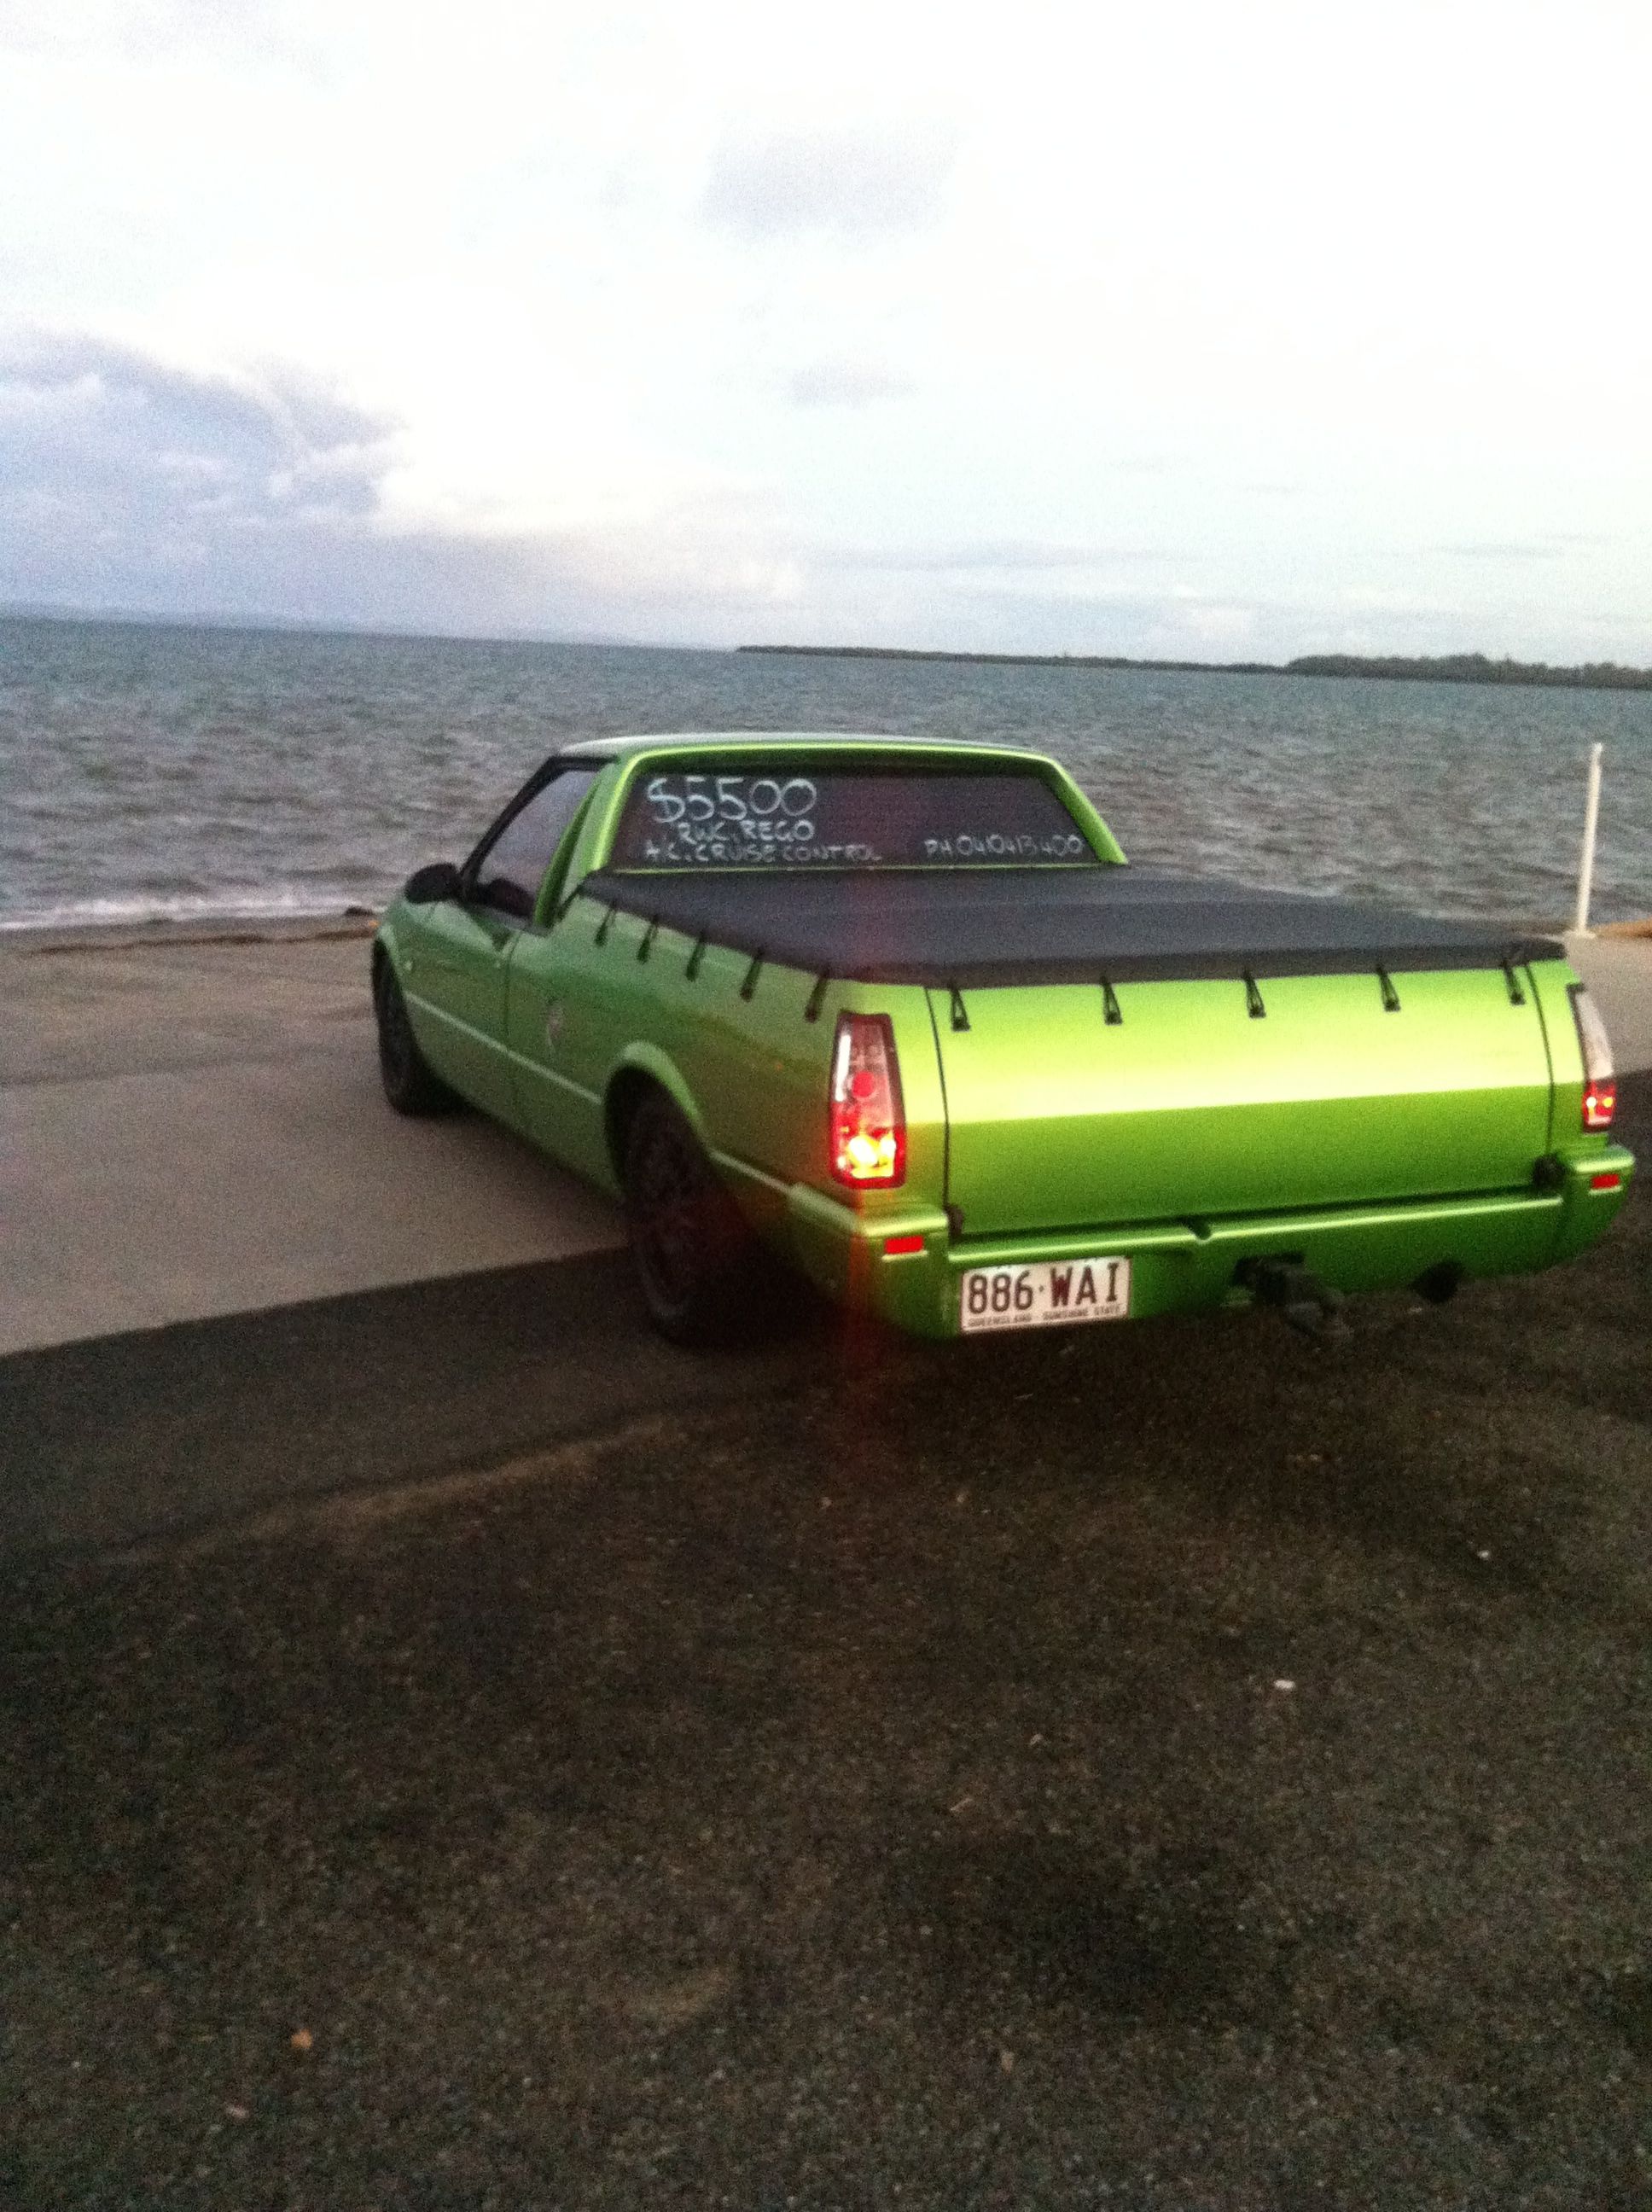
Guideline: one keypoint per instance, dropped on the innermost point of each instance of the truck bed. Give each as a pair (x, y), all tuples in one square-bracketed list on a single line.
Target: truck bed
[(1028, 925)]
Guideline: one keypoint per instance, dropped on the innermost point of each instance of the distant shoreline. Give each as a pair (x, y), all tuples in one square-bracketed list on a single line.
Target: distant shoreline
[(1444, 668)]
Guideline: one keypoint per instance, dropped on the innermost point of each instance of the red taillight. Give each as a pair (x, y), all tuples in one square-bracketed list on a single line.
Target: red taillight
[(902, 1248), (1600, 1105), (1605, 1182), (868, 1123), (1600, 1089)]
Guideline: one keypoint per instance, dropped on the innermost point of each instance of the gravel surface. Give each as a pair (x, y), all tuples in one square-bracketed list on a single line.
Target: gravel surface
[(1179, 1767)]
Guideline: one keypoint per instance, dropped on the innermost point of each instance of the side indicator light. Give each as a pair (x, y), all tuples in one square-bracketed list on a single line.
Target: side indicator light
[(897, 1248), (1599, 1087), (867, 1128), (1605, 1182)]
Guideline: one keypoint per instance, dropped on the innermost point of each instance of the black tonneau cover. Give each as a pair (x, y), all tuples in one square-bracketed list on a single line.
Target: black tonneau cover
[(1009, 925)]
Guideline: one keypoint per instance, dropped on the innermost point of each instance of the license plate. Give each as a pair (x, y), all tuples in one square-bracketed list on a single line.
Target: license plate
[(1045, 1296)]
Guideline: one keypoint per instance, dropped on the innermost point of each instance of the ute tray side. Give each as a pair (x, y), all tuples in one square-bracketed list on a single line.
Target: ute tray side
[(986, 926)]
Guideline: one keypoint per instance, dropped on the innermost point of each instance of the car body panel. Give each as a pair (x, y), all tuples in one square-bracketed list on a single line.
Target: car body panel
[(1189, 1102), (456, 966)]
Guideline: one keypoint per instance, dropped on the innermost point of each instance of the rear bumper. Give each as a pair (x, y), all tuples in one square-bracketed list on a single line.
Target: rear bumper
[(1181, 1266)]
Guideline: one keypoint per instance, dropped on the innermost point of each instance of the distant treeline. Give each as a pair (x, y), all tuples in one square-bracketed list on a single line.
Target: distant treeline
[(1474, 668), (1442, 668)]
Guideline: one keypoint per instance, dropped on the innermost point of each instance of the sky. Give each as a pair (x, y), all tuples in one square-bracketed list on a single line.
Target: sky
[(1200, 329)]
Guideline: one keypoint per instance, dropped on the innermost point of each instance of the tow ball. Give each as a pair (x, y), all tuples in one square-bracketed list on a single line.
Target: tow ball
[(1312, 1308)]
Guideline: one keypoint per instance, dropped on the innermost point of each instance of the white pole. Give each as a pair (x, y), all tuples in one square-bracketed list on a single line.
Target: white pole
[(1591, 824)]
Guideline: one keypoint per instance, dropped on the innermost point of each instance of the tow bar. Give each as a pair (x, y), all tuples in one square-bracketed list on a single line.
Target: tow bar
[(1312, 1308)]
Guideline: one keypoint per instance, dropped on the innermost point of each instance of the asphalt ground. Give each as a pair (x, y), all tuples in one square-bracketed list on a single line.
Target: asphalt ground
[(460, 1753)]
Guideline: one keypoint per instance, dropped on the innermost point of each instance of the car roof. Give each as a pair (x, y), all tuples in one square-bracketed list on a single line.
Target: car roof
[(618, 747)]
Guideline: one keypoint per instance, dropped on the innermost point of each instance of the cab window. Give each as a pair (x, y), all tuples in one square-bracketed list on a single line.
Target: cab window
[(509, 870), (723, 815)]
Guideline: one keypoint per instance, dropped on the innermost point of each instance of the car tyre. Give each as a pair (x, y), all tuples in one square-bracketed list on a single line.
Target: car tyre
[(411, 1085), (701, 1270)]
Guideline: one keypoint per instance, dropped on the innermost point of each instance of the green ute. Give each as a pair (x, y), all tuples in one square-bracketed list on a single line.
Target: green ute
[(895, 1013)]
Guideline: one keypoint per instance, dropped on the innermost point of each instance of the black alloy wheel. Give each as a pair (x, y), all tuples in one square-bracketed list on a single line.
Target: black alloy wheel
[(700, 1265), (411, 1085)]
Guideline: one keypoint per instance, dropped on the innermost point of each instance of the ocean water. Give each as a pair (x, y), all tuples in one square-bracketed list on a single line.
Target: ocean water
[(149, 771)]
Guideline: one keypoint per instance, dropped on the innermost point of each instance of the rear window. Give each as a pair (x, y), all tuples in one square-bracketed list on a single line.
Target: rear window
[(741, 817)]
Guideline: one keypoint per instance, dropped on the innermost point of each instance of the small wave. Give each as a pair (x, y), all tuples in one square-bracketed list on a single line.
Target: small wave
[(136, 913)]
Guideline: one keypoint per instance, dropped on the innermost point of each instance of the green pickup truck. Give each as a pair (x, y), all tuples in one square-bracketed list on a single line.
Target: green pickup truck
[(896, 1012)]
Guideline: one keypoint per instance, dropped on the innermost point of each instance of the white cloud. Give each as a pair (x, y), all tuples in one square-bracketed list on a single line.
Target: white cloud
[(673, 303), (136, 29), (128, 482), (851, 183), (997, 558), (107, 434), (846, 383)]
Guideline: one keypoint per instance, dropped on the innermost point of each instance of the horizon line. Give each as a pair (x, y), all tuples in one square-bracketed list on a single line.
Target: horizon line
[(1603, 675)]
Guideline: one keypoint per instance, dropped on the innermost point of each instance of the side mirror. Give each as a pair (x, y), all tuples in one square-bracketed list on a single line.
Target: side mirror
[(427, 886)]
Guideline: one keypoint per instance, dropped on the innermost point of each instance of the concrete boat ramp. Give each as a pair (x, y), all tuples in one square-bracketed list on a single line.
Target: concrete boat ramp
[(191, 1126)]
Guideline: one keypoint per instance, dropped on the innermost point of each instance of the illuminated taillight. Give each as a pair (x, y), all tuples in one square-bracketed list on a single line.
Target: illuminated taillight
[(868, 1122), (1600, 1089)]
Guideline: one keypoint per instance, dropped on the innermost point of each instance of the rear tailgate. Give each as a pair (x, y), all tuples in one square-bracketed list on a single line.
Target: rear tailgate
[(1214, 1096)]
